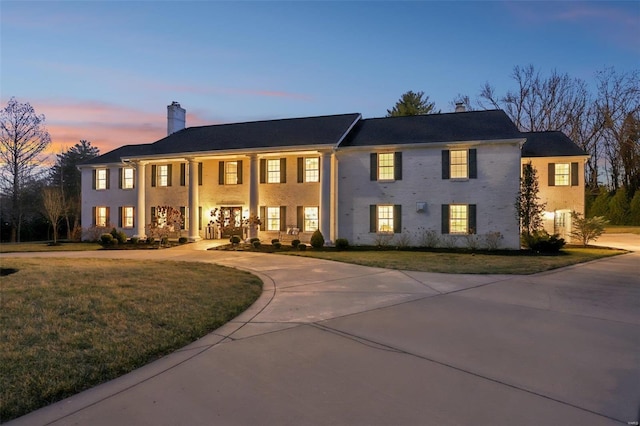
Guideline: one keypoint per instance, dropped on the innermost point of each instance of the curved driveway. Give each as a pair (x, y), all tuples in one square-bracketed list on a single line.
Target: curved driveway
[(331, 343)]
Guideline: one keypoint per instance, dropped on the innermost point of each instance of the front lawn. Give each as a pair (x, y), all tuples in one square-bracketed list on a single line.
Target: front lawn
[(70, 324), (44, 246)]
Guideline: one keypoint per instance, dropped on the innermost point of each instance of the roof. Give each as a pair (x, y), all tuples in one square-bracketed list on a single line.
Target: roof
[(117, 154), (550, 144), (432, 128)]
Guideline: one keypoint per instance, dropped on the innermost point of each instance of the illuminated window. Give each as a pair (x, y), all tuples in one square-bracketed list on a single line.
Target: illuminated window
[(273, 171), (458, 161), (102, 179), (163, 175), (562, 171), (231, 172), (310, 219), (128, 181), (386, 169), (273, 218), (127, 217), (458, 219), (102, 216), (385, 219), (312, 170)]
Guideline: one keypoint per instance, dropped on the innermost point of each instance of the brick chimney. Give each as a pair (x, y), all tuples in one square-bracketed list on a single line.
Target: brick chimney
[(175, 118), (460, 107)]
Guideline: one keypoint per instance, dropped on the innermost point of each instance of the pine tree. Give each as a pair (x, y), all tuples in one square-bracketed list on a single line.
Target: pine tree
[(528, 206), (411, 103)]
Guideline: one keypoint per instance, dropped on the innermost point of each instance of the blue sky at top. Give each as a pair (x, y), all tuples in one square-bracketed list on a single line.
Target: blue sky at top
[(105, 71)]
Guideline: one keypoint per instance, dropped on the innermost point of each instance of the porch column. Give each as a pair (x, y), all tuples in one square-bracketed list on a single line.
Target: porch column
[(254, 184), (325, 196), (141, 206), (194, 201)]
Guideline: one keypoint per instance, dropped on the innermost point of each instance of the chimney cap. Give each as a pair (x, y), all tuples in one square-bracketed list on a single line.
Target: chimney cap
[(460, 107)]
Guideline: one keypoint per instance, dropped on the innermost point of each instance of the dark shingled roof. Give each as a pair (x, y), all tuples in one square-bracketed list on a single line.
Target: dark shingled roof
[(115, 155), (450, 127), (549, 144)]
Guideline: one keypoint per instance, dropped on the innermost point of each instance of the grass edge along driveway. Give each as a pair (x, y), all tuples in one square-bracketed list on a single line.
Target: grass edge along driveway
[(70, 324)]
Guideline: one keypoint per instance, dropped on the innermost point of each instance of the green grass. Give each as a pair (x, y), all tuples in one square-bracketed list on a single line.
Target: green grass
[(611, 229), (462, 263), (43, 246), (68, 325)]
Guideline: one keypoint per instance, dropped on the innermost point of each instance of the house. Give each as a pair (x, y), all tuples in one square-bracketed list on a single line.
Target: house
[(449, 178)]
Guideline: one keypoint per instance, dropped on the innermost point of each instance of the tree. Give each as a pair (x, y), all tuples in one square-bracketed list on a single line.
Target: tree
[(528, 207), (411, 103), (53, 207), (23, 138), (619, 207), (586, 229), (65, 175), (634, 210)]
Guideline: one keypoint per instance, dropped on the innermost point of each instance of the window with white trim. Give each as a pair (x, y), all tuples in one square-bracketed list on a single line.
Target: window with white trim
[(273, 170), (128, 178), (459, 164), (310, 219), (231, 172), (127, 217), (163, 175), (273, 218), (385, 219), (102, 176), (458, 219), (312, 169), (386, 170), (562, 174), (102, 216)]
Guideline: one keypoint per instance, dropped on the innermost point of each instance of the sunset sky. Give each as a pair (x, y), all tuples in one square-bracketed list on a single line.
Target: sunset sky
[(106, 70)]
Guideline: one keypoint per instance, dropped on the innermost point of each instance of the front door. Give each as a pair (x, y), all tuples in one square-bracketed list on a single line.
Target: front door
[(561, 223), (231, 221)]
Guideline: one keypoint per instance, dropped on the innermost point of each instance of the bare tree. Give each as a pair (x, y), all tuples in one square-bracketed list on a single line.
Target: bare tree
[(53, 207), (23, 138)]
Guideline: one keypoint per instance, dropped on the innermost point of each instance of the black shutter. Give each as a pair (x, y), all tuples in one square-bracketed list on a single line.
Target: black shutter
[(373, 218), (473, 164), (445, 164), (120, 172), (239, 172), (108, 178), (183, 213), (108, 221), (263, 170), (300, 215), (283, 218), (397, 166), (169, 174), (373, 164), (120, 216), (300, 169), (397, 219), (552, 174), (283, 170), (445, 219), (221, 172), (472, 219), (200, 217), (199, 173), (574, 174), (93, 213), (153, 214), (183, 174), (154, 172), (93, 184), (263, 218)]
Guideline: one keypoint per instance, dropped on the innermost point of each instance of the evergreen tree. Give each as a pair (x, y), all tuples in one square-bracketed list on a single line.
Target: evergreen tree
[(600, 206), (634, 210), (528, 206), (619, 207), (411, 103)]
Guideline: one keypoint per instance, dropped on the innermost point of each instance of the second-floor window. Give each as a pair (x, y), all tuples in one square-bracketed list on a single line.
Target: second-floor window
[(231, 172), (101, 179), (163, 175), (128, 178), (561, 174), (459, 164), (386, 166), (564, 174), (273, 171), (312, 169)]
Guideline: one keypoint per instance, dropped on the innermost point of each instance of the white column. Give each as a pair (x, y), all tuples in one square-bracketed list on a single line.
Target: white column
[(325, 196), (141, 206), (194, 201), (254, 184)]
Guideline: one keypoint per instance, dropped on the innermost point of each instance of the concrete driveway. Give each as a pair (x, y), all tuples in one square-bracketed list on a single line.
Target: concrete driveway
[(331, 343)]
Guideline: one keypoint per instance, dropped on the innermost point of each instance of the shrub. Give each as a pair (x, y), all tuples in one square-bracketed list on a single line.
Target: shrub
[(277, 244), (493, 240), (541, 241), (317, 239), (295, 243), (342, 243), (302, 247), (151, 240), (235, 240), (182, 240), (254, 239), (106, 239), (275, 240), (164, 240), (586, 229), (403, 240), (473, 241), (428, 238), (134, 240), (256, 244), (382, 239), (120, 236)]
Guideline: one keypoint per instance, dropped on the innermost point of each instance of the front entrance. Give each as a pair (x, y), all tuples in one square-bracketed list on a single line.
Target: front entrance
[(231, 221), (562, 223)]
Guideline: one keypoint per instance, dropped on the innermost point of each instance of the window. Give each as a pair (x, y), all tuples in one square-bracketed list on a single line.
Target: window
[(458, 219), (273, 218), (163, 175), (386, 166), (231, 172), (128, 178), (101, 179), (312, 170), (458, 164), (561, 173), (564, 174), (102, 216), (310, 219), (385, 218), (273, 171), (126, 220)]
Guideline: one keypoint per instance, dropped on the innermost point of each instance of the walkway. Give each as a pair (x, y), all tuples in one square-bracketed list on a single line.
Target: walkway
[(332, 343)]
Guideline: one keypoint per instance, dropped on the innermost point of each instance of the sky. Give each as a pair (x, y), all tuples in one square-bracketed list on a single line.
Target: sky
[(105, 71)]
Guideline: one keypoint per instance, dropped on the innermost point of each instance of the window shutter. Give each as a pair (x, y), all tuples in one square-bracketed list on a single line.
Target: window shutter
[(300, 215), (221, 172), (239, 172), (283, 170), (397, 166), (134, 217), (183, 213), (108, 221), (283, 218), (199, 173), (120, 172), (263, 218), (154, 174), (183, 174), (93, 184), (93, 210), (397, 219), (373, 164), (445, 219), (473, 163), (574, 174), (552, 174), (200, 217), (300, 169), (120, 216), (153, 214), (373, 218), (472, 219), (263, 171), (445, 164), (108, 178), (169, 174)]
